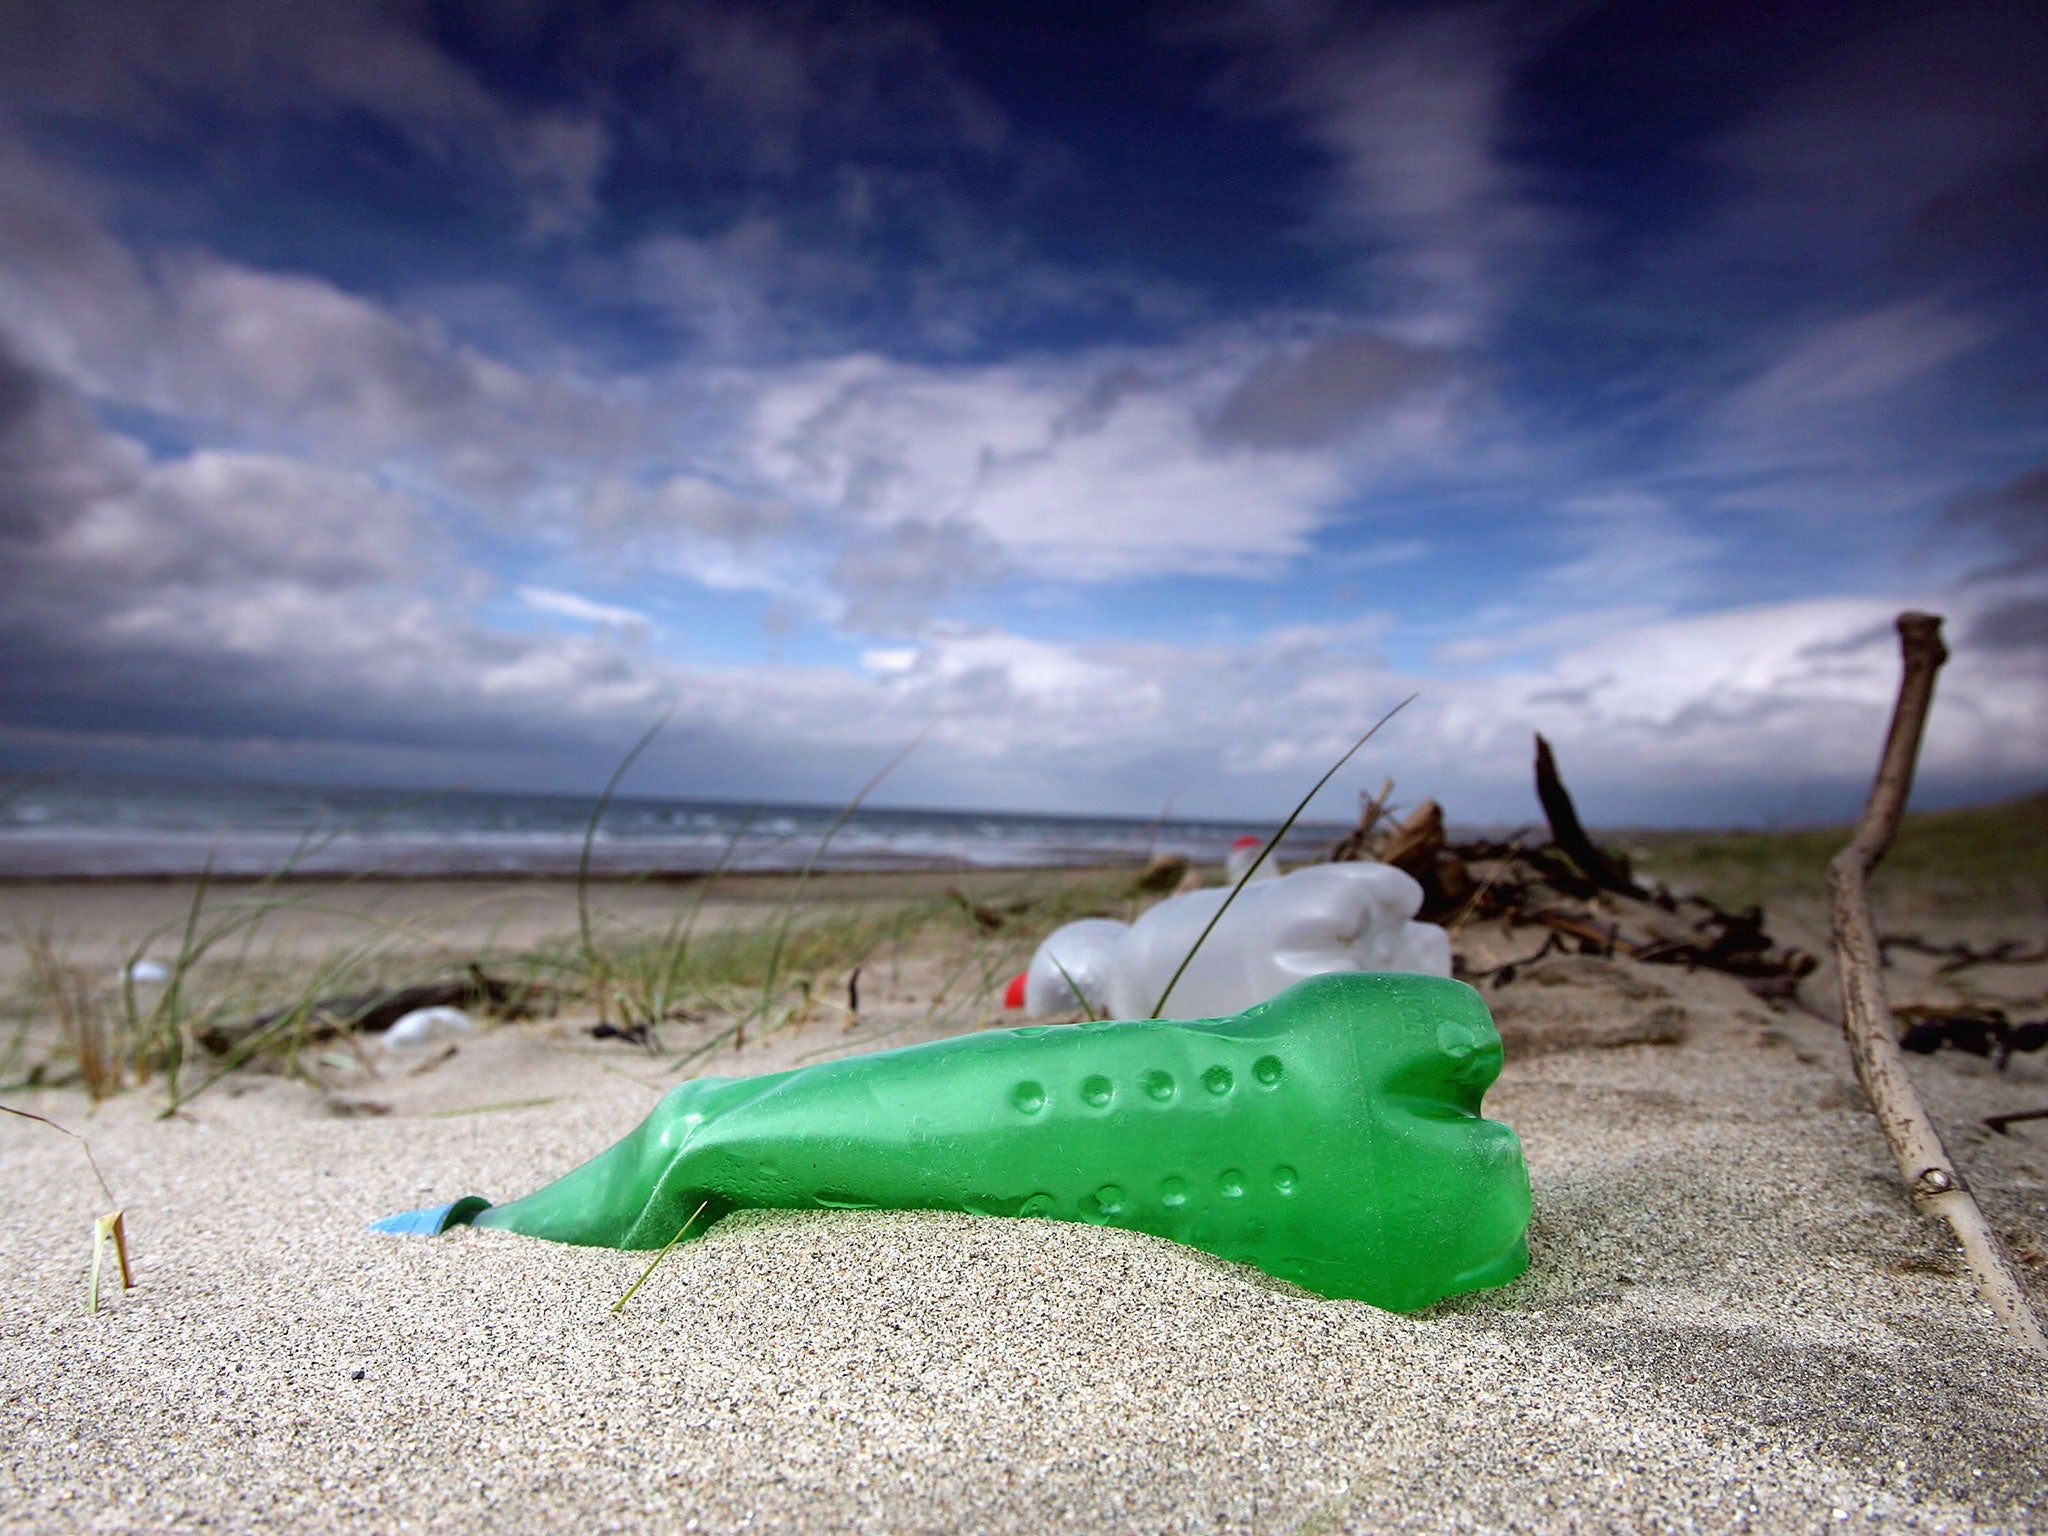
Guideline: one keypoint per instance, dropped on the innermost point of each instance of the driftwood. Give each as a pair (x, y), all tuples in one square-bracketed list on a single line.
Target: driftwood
[(1983, 1032), (1164, 872), (1586, 896), (1610, 872), (1416, 843), (1958, 957), (374, 1012), (1931, 1178), (1358, 842)]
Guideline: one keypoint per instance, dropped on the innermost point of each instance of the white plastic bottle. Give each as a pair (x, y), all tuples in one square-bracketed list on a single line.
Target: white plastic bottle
[(1086, 950), (1327, 917), (1240, 857)]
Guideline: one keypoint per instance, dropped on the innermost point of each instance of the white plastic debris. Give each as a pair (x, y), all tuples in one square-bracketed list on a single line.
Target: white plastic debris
[(426, 1026), (1240, 857), (1327, 917), (148, 972), (1086, 951)]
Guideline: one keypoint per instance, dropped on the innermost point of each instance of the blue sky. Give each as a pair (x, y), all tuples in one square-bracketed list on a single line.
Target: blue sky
[(1122, 402)]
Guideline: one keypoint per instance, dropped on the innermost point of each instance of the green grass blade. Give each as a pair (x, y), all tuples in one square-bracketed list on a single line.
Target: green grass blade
[(620, 1304), (1082, 997), (1271, 843), (590, 954), (811, 863)]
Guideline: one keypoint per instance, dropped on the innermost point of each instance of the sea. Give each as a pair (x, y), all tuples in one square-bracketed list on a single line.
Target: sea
[(80, 828)]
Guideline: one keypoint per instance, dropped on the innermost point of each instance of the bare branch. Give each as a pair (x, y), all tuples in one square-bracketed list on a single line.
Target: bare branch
[(1931, 1178)]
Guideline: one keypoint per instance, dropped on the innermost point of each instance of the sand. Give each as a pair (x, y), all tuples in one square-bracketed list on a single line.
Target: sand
[(1734, 1320)]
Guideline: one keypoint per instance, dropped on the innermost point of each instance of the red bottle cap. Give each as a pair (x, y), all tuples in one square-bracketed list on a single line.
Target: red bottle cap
[(1013, 994), (1248, 841)]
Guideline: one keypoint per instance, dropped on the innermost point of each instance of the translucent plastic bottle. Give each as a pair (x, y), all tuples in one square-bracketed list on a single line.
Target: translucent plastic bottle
[(1330, 1137), (1240, 857), (1086, 952), (1326, 917)]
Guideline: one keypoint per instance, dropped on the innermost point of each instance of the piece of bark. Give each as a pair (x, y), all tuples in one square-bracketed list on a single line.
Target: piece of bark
[(1414, 845), (1417, 849), (1931, 1178), (1605, 870)]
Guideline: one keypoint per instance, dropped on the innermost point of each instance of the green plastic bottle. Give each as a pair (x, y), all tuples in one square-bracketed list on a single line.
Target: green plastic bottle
[(1331, 1137)]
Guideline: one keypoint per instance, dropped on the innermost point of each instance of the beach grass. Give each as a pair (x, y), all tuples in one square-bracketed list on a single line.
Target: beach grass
[(762, 953), (1980, 856), (737, 953)]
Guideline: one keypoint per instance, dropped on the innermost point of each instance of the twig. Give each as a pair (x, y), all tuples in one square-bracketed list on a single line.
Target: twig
[(1356, 843), (1931, 1178), (1464, 914), (1958, 957), (1999, 1123)]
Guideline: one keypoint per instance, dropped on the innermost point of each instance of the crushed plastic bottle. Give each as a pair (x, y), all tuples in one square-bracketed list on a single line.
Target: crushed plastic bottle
[(427, 1026), (1331, 1137), (1240, 857), (1086, 952), (1327, 917)]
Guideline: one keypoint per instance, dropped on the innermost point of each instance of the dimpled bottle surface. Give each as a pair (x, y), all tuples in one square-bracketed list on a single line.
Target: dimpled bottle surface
[(1330, 1137)]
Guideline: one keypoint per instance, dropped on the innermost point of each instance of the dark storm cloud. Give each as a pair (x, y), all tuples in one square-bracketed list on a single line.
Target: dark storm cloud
[(33, 455), (2015, 514), (895, 577), (236, 597), (1314, 397), (2013, 518), (2020, 625), (161, 67)]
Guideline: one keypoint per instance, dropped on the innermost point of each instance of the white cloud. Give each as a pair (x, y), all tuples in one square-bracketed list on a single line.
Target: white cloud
[(286, 361), (326, 631), (1412, 110), (1063, 486), (1629, 546), (265, 351), (696, 528), (571, 606), (1848, 363)]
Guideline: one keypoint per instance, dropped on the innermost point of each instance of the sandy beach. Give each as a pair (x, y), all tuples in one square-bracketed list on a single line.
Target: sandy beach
[(1734, 1320)]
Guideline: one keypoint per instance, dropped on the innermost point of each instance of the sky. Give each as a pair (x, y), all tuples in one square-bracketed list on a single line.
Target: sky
[(1120, 406)]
